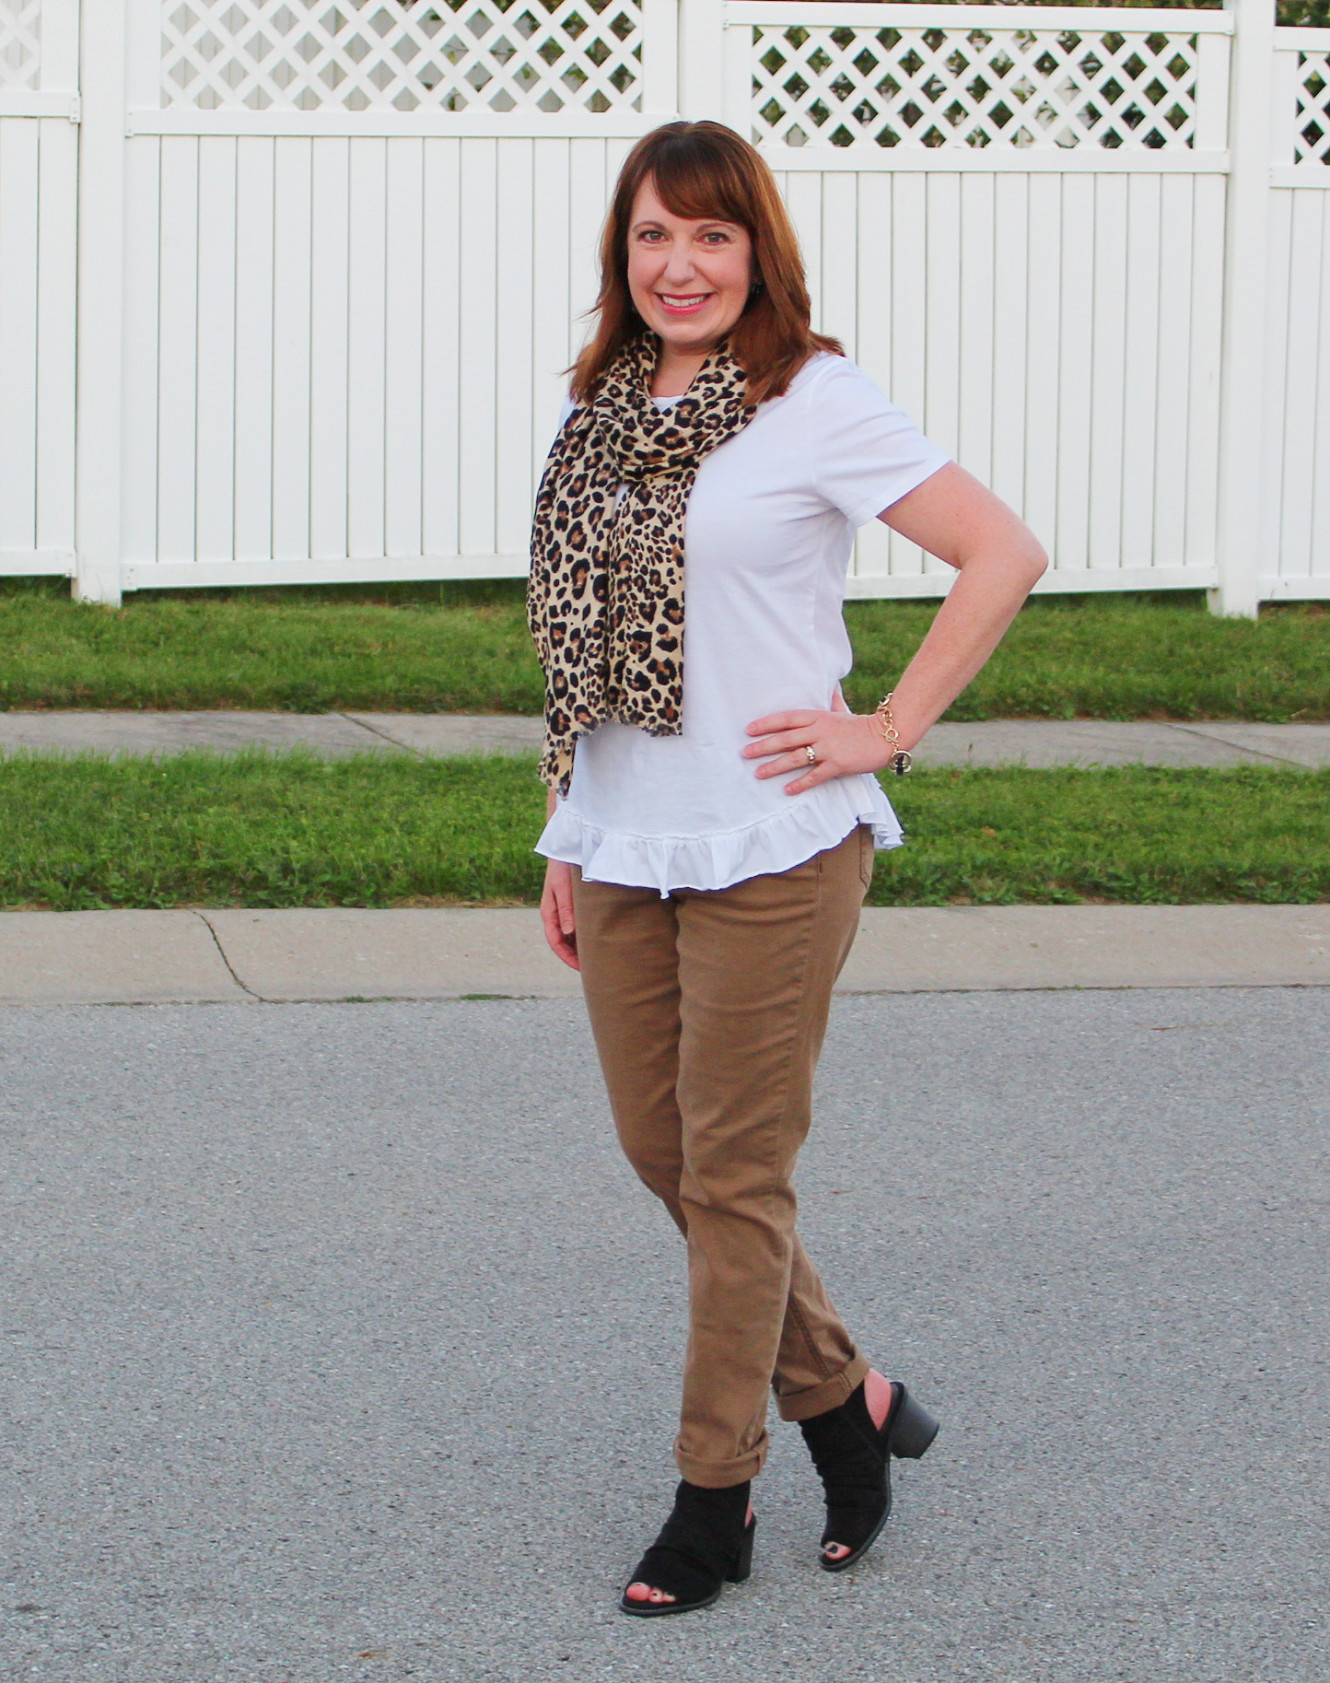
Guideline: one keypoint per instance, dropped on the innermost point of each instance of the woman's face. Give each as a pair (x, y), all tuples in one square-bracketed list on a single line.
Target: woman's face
[(690, 281)]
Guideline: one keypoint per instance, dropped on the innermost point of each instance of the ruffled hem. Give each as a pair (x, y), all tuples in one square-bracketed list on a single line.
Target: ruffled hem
[(722, 858)]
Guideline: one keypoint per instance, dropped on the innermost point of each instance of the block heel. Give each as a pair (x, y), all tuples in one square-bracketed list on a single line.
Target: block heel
[(742, 1569), (911, 1428)]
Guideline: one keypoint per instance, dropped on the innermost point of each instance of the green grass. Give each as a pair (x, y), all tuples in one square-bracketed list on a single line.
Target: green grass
[(293, 830), (298, 652), (466, 650)]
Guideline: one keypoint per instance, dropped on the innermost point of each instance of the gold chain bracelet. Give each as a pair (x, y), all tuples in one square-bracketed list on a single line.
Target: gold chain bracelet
[(900, 761)]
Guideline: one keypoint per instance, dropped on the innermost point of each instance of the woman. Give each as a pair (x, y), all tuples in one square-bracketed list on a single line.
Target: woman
[(713, 808)]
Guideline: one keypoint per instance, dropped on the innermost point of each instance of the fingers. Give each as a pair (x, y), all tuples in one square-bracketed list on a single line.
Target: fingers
[(784, 721), (806, 776), (784, 742), (556, 915), (822, 772)]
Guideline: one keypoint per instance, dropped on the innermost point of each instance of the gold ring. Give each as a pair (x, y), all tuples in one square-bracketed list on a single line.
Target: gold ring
[(810, 754)]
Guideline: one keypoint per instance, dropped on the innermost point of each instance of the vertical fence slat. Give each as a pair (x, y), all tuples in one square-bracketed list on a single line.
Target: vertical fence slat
[(1010, 266), (367, 397), (1274, 384), (1299, 456), (941, 416), (840, 267), (177, 374), (329, 347), (909, 325), (974, 441), (441, 338), (1109, 357), (587, 191), (803, 198), (19, 216), (479, 224), (57, 327), (142, 341), (514, 284), (551, 309), (215, 402), (1140, 382), (1320, 490), (1043, 299), (1075, 371), (872, 552), (406, 372), (292, 370), (1175, 259), (256, 176), (1203, 364)]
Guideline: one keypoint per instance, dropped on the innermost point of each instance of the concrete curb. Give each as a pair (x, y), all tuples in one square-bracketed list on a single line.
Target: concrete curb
[(201, 957)]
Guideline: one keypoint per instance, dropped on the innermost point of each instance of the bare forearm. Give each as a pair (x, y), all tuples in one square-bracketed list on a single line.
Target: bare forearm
[(969, 625)]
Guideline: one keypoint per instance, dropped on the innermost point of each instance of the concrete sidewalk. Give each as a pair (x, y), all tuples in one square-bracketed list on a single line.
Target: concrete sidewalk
[(1032, 742), (212, 956)]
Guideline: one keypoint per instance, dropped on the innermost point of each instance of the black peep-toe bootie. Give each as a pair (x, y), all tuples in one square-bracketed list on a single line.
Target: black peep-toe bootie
[(702, 1545), (854, 1458)]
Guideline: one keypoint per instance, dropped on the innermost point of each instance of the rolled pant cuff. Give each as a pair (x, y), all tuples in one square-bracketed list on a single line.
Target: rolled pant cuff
[(817, 1399), (720, 1475)]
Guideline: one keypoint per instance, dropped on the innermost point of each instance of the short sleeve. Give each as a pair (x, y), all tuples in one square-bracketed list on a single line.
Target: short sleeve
[(867, 454)]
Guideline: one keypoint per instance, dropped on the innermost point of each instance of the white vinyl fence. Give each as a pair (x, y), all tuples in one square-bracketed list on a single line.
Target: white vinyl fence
[(331, 260)]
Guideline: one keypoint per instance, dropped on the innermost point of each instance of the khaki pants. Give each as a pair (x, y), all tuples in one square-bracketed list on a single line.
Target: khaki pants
[(709, 1010)]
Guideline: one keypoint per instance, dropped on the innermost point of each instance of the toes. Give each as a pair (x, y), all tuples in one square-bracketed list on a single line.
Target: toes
[(644, 1592), (835, 1551)]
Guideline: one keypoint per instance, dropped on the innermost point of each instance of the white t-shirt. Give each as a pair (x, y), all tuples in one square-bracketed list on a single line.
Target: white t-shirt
[(768, 533)]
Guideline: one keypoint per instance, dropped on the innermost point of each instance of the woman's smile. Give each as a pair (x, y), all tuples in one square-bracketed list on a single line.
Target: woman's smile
[(684, 306)]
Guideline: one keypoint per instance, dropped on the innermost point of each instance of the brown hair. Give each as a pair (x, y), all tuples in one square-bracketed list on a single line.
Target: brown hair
[(703, 170)]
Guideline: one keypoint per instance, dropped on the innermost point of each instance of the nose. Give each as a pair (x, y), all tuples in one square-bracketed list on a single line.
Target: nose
[(679, 267)]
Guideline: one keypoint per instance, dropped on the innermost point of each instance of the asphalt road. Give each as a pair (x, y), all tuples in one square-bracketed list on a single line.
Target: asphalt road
[(338, 1343)]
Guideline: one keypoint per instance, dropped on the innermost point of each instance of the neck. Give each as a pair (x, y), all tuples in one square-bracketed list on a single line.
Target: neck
[(676, 370)]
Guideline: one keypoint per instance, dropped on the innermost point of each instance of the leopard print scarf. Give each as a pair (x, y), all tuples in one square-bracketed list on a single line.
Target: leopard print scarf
[(605, 602)]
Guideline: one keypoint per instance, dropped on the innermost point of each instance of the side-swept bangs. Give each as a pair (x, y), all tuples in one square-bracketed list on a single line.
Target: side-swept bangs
[(703, 170)]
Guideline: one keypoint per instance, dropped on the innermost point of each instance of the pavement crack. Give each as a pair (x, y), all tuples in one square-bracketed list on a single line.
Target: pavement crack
[(383, 735), (231, 969), (1242, 747)]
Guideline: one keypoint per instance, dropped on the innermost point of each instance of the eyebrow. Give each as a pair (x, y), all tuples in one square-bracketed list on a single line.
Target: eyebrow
[(702, 222)]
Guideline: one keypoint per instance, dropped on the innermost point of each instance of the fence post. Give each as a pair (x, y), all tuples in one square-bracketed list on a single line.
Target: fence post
[(701, 73), (660, 58), (101, 194), (1241, 418)]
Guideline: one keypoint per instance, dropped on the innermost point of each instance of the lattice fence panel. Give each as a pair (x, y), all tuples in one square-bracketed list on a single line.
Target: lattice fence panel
[(445, 55), (1312, 141), (969, 87), (20, 43)]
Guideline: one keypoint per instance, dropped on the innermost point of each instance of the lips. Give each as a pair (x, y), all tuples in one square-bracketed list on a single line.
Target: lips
[(682, 304)]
